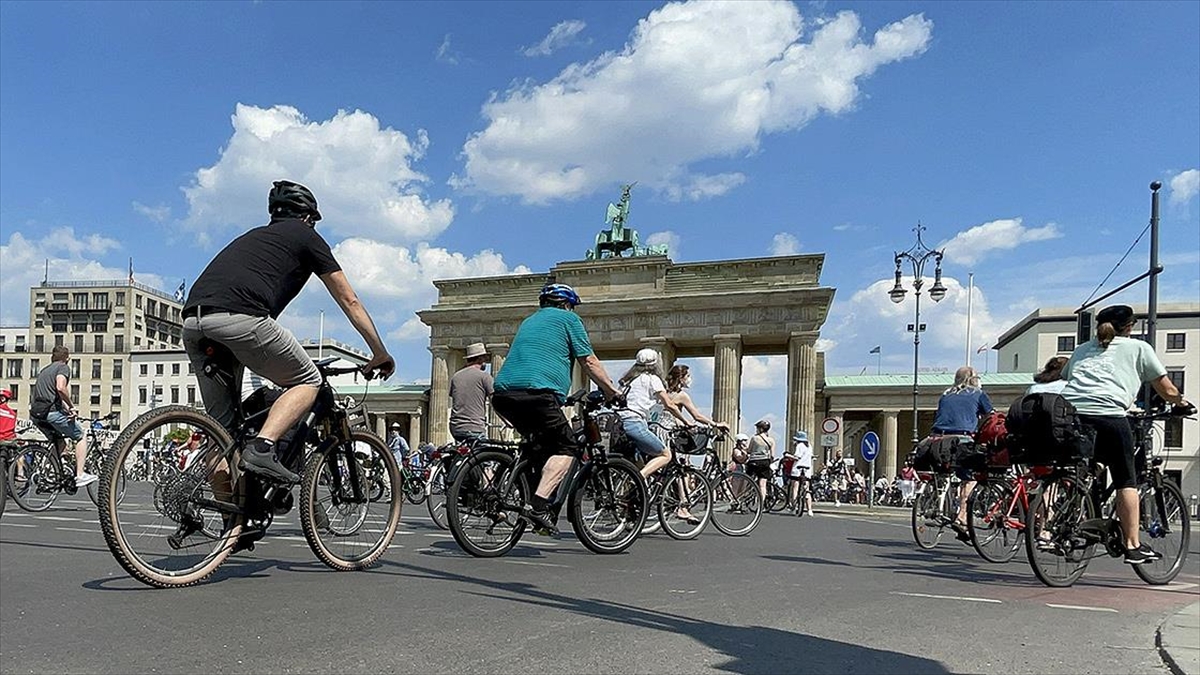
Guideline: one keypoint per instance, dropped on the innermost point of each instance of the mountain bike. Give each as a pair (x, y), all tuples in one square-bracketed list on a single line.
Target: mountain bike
[(1064, 525), (210, 509), (605, 496), (48, 473), (737, 505)]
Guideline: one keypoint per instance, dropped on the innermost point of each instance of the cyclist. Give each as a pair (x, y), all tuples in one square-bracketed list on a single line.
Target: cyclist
[(470, 389), (238, 297), (800, 473), (1103, 377), (56, 416), (531, 387), (1050, 379), (678, 380), (8, 418), (959, 410), (760, 454)]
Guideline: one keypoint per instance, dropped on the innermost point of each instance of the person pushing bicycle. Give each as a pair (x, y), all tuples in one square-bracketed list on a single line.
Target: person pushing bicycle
[(236, 301)]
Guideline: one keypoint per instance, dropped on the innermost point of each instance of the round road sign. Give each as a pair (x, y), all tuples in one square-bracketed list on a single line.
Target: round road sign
[(830, 425)]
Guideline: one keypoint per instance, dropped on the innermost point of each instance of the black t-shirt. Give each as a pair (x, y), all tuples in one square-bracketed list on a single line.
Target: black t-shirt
[(262, 271)]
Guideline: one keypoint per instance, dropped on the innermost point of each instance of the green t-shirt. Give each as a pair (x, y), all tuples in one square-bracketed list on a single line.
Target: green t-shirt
[(1106, 381), (540, 357)]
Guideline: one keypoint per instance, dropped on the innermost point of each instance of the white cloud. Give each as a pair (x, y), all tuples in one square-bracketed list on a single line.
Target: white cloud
[(446, 54), (1184, 186), (361, 173), (785, 244), (764, 372), (972, 245), (412, 329), (158, 214), (561, 35), (723, 75), (825, 344), (668, 237), (69, 257)]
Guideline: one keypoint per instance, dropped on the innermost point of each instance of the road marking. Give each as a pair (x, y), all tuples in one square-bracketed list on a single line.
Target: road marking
[(75, 529), (674, 590), (1082, 608), (948, 597), (61, 518), (18, 525), (526, 562)]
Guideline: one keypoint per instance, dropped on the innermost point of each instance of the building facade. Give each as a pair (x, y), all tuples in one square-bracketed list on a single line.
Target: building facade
[(1049, 332)]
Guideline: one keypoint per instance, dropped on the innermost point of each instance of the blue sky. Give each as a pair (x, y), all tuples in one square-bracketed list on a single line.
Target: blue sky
[(454, 139)]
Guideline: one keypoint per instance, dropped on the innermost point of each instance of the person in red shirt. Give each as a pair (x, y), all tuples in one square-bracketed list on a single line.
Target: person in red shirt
[(8, 417)]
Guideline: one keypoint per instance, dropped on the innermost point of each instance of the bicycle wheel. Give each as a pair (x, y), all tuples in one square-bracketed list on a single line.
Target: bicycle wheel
[(1056, 551), (3, 480), (414, 487), (926, 516), (736, 504), (689, 492), (483, 503), (776, 498), (435, 489), (93, 465), (194, 529), (653, 495), (1165, 527), (42, 479), (345, 528), (607, 509), (995, 522)]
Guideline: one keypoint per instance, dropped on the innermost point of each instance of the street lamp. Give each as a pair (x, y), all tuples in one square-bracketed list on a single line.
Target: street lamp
[(917, 256)]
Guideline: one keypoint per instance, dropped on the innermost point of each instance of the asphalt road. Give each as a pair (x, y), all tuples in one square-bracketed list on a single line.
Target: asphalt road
[(838, 593)]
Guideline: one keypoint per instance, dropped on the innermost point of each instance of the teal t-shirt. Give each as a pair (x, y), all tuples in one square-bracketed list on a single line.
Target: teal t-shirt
[(1106, 381), (540, 357)]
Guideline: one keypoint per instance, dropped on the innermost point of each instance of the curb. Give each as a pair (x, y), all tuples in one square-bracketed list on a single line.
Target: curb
[(1177, 643)]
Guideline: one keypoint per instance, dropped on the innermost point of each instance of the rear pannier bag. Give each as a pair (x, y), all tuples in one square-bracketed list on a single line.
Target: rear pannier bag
[(1045, 428)]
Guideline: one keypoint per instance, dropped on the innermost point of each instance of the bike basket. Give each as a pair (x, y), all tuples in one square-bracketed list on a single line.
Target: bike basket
[(689, 442)]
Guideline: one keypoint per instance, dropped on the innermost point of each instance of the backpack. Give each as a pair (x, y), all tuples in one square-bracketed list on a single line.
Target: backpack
[(1046, 428), (992, 436)]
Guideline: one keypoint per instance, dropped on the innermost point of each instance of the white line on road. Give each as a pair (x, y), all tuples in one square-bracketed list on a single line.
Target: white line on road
[(75, 529), (948, 597), (526, 562), (18, 525), (69, 520), (1082, 608)]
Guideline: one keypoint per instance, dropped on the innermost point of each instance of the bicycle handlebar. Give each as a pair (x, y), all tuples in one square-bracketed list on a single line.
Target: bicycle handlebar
[(1164, 412)]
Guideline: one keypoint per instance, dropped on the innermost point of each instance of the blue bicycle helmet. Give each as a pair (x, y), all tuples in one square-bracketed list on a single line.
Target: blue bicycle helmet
[(559, 293)]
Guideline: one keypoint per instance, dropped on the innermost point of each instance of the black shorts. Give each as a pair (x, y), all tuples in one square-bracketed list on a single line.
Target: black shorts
[(1114, 447), (538, 417), (760, 468)]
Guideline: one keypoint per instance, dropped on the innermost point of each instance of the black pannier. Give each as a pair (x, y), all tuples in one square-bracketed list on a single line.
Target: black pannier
[(1045, 428), (939, 453)]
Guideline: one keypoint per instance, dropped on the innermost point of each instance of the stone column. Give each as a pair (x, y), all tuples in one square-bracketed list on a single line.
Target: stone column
[(414, 430), (381, 425), (665, 349), (579, 381), (802, 384), (498, 352), (727, 384), (885, 464), (439, 396)]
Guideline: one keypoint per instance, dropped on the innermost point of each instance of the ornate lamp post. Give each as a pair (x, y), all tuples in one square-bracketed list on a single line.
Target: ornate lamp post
[(917, 256)]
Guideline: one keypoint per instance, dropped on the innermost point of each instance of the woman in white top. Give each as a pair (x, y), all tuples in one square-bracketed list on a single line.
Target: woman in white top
[(1050, 380), (801, 473), (678, 380)]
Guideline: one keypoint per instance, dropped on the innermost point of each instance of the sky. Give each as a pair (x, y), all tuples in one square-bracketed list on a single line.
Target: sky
[(453, 139)]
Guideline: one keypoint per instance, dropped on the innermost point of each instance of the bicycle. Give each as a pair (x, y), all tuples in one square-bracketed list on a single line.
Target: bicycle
[(444, 463), (1064, 525), (737, 505), (413, 479), (675, 488), (605, 496), (49, 472), (996, 512), (934, 507), (210, 509)]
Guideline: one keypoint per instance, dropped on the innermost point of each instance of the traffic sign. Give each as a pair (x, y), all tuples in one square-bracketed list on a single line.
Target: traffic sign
[(870, 446), (830, 425), (829, 440)]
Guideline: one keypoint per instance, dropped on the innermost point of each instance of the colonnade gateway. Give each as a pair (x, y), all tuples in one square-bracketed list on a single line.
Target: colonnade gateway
[(724, 309)]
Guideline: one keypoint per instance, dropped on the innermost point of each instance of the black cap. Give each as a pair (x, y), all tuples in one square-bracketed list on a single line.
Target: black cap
[(1118, 315)]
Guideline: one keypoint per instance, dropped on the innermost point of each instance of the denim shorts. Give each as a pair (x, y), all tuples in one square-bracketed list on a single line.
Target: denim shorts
[(64, 425), (639, 432)]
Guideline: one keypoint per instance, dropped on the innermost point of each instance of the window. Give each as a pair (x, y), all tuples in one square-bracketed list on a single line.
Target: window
[(118, 369), (20, 343), (120, 298), (79, 344), (15, 389), (99, 326), (75, 392), (98, 342), (1066, 344), (1176, 377), (157, 395), (99, 300), (75, 368), (142, 395), (79, 301), (158, 369), (191, 395), (35, 366), (174, 394), (137, 341), (95, 394), (58, 325), (38, 323), (39, 343), (1176, 342), (119, 321), (1173, 433), (96, 369), (191, 368), (138, 300), (151, 306), (59, 340), (14, 368), (116, 394), (1016, 361), (79, 324), (143, 370), (174, 368), (119, 343)]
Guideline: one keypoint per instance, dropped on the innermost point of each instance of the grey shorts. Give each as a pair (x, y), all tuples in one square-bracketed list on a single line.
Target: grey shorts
[(258, 343)]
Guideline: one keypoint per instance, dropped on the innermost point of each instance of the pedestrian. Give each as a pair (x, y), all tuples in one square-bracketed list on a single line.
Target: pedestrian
[(801, 472), (1050, 380), (759, 455), (470, 389), (740, 453), (908, 482), (398, 444), (839, 481)]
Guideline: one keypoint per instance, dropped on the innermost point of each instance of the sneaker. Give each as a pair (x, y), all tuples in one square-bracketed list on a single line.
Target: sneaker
[(1142, 554), (85, 478), (541, 520), (260, 460), (809, 513)]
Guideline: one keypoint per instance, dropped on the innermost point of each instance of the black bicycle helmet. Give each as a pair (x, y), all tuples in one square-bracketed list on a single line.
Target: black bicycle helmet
[(292, 199)]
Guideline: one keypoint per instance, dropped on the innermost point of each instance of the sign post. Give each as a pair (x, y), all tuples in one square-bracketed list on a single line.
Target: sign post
[(870, 450), (831, 436)]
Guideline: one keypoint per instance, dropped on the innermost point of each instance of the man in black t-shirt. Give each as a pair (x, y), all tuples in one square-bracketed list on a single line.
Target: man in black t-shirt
[(238, 297)]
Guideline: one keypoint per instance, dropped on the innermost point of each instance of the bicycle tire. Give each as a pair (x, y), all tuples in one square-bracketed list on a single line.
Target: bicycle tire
[(653, 495), (1061, 563), (435, 502), (619, 494), (93, 488), (698, 496), (990, 524), (122, 531), (776, 498), (3, 481), (1173, 508), (926, 504), (414, 490), (42, 479), (736, 494), (483, 497), (328, 529)]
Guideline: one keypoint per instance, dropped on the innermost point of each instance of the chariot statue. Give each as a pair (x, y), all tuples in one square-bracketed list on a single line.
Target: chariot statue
[(618, 239)]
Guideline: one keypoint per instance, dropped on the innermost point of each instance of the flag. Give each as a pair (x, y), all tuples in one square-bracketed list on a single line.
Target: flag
[(876, 350), (982, 349), (179, 292), (131, 270)]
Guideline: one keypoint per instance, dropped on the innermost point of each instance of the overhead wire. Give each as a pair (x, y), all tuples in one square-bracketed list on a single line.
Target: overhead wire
[(1119, 262)]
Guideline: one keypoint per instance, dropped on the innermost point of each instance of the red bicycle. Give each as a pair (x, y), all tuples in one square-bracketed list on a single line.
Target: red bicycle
[(996, 513)]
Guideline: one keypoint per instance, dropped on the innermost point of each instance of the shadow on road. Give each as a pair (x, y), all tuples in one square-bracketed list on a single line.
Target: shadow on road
[(750, 649)]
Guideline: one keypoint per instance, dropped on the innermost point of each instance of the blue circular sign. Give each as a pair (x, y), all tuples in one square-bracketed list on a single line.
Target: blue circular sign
[(869, 446)]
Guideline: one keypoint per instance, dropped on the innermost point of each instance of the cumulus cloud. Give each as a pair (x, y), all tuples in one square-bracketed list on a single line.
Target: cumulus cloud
[(722, 76), (412, 330), (668, 237), (785, 244), (972, 245), (1184, 186), (825, 344), (563, 33), (446, 54), (764, 372), (361, 173), (157, 214), (69, 257)]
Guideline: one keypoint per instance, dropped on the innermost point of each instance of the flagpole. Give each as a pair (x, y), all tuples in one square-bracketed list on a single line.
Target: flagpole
[(878, 362), (970, 298), (321, 337)]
